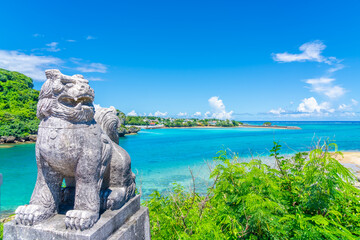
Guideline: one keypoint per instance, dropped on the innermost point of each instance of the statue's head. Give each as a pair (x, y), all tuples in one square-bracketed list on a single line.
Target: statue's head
[(66, 97)]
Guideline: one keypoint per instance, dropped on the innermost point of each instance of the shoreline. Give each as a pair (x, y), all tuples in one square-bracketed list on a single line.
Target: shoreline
[(243, 126), (350, 159)]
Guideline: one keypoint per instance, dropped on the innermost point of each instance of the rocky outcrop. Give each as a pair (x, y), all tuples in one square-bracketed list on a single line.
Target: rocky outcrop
[(12, 139), (123, 130)]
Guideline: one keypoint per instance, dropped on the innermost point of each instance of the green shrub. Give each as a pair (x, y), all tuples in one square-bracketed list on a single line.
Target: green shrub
[(307, 196), (1, 230)]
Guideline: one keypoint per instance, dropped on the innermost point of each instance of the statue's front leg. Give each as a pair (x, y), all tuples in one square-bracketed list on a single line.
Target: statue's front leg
[(87, 195), (45, 198)]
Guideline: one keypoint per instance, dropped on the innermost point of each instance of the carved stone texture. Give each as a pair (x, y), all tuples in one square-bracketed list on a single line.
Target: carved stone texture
[(79, 145), (131, 221)]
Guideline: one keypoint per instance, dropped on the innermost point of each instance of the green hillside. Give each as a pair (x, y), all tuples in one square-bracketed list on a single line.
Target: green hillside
[(18, 102)]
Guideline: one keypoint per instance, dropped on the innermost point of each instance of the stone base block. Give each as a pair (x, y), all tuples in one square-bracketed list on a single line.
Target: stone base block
[(129, 222)]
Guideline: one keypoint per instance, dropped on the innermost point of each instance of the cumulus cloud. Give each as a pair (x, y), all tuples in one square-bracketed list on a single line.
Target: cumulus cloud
[(160, 114), (207, 114), (277, 111), (325, 86), (132, 113), (218, 109), (30, 65), (182, 114), (354, 102), (310, 51), (310, 105)]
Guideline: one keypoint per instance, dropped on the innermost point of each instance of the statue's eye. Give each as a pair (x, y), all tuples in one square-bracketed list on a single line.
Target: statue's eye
[(69, 84)]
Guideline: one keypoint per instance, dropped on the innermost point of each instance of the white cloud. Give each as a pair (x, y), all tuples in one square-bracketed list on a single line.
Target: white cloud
[(160, 114), (310, 105), (207, 114), (150, 115), (277, 111), (182, 114), (344, 107), (52, 47), (92, 67), (197, 114), (30, 65), (325, 86), (94, 79), (71, 40), (337, 67), (348, 107), (132, 113), (89, 67), (218, 108), (310, 51), (90, 37), (38, 35)]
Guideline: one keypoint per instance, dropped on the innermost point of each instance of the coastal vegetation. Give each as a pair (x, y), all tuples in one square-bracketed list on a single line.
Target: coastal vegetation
[(18, 102), (267, 124), (307, 196), (179, 122)]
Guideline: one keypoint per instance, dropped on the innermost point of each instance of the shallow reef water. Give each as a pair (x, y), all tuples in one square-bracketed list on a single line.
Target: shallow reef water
[(161, 157)]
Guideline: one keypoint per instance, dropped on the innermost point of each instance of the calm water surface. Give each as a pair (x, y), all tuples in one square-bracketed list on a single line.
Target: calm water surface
[(163, 156)]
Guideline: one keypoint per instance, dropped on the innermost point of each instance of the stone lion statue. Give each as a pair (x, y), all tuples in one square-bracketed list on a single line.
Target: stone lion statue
[(80, 145)]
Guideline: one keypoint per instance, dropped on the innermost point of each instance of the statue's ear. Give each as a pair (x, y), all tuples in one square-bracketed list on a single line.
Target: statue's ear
[(52, 73)]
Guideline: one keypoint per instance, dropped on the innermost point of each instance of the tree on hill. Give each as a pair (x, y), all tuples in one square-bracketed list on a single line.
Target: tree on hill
[(18, 102)]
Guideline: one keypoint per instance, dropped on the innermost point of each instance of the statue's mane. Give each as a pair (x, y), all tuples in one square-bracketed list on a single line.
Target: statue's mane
[(45, 101)]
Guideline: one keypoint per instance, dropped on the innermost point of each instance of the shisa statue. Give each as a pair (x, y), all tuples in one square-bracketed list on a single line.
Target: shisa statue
[(80, 145)]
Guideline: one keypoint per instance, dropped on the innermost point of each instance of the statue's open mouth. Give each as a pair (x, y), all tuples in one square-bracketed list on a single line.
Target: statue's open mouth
[(83, 101)]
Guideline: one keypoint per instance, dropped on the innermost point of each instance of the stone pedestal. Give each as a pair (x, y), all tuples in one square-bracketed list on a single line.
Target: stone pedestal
[(129, 222)]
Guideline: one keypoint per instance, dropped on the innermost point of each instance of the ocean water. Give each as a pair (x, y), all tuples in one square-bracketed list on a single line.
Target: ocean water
[(161, 157)]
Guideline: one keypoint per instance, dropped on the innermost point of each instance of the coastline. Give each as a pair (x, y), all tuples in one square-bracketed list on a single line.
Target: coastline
[(242, 126), (351, 159)]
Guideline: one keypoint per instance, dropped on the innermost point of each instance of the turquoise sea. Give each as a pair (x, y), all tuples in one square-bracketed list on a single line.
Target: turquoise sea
[(163, 156)]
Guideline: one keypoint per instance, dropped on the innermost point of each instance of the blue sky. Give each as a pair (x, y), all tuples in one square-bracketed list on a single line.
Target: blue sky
[(227, 59)]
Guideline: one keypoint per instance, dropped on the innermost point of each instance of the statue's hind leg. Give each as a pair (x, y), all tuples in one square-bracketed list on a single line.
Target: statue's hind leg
[(45, 198), (121, 179)]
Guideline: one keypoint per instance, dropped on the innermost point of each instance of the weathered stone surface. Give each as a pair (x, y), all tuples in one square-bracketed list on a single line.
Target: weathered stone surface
[(137, 227), (80, 145), (129, 222)]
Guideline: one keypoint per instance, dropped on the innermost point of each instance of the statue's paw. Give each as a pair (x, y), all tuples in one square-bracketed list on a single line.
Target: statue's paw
[(116, 198), (32, 214), (80, 219)]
